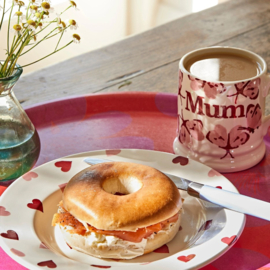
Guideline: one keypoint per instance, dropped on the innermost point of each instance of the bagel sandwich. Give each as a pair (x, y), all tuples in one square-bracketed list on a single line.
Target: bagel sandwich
[(119, 210)]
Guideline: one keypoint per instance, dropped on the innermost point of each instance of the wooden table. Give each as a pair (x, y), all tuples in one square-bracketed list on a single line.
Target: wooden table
[(148, 62)]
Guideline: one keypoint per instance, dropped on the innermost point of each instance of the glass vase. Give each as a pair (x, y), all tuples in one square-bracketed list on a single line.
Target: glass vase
[(19, 140)]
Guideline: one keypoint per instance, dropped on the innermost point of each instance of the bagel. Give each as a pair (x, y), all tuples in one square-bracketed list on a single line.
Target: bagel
[(95, 220)]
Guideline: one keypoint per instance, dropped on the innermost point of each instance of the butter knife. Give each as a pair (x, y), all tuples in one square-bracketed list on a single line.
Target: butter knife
[(227, 199)]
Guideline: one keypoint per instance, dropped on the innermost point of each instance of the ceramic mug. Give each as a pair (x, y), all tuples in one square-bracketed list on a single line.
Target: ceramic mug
[(222, 123)]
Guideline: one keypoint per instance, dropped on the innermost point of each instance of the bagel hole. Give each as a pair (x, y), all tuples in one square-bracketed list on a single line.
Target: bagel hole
[(121, 186)]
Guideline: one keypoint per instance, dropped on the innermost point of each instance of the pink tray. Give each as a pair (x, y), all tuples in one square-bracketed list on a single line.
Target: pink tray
[(143, 121)]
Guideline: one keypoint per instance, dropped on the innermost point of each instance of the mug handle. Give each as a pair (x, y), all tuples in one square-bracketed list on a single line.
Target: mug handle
[(266, 118)]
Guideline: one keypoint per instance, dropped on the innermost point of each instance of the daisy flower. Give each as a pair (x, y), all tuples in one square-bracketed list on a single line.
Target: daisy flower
[(46, 7), (20, 15), (76, 38), (30, 24), (33, 9), (74, 5), (17, 29), (73, 24), (39, 16)]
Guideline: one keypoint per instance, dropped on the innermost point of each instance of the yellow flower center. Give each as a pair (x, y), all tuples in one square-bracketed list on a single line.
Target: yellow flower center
[(18, 13), (31, 22), (76, 36), (39, 15), (34, 7), (45, 5), (63, 24), (73, 3), (17, 27), (40, 24), (72, 22)]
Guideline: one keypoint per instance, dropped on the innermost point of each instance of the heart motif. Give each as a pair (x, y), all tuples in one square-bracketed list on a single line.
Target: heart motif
[(42, 245), (229, 240), (10, 235), (113, 152), (62, 186), (163, 249), (49, 264), (64, 165), (29, 176), (220, 187), (17, 252), (100, 266), (182, 160), (213, 173), (186, 258), (3, 212), (36, 204)]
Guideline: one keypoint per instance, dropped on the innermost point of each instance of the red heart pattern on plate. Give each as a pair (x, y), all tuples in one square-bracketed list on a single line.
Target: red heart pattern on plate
[(181, 160), (113, 152), (49, 264), (10, 235), (17, 252), (186, 258), (29, 176), (3, 212), (162, 249), (229, 240), (36, 205), (62, 186), (64, 165), (213, 173), (100, 266), (220, 187)]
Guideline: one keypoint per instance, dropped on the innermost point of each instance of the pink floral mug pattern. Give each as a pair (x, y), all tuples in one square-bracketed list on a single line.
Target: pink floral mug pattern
[(222, 124)]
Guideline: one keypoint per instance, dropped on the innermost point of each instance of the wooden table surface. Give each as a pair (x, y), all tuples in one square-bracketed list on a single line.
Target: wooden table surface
[(149, 61)]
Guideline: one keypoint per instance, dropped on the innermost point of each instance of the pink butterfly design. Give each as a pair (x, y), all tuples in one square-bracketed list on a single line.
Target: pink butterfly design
[(190, 129), (227, 141), (210, 89), (180, 85), (247, 89), (254, 118)]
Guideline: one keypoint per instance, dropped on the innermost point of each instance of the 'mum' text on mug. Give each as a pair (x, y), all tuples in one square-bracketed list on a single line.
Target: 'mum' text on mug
[(217, 111)]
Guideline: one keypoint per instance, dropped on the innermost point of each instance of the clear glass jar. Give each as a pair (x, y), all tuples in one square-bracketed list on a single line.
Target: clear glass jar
[(19, 140)]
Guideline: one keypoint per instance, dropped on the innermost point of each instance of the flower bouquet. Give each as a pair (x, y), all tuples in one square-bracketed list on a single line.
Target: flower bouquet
[(28, 30)]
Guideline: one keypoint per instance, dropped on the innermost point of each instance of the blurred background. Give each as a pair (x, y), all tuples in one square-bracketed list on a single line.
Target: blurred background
[(103, 22)]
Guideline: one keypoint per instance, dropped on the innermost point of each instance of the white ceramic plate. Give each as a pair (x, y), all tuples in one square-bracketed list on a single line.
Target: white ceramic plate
[(27, 207)]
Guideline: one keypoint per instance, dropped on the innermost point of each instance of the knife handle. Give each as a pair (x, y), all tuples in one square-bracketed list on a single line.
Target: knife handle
[(231, 200)]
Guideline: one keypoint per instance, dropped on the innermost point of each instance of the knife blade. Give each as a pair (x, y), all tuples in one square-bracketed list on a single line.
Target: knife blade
[(227, 199)]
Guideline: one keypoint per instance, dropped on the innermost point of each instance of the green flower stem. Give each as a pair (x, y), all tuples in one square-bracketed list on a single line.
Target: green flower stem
[(49, 54), (45, 27), (9, 27), (1, 23), (14, 60), (59, 40), (38, 42), (58, 32), (27, 10), (19, 39)]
